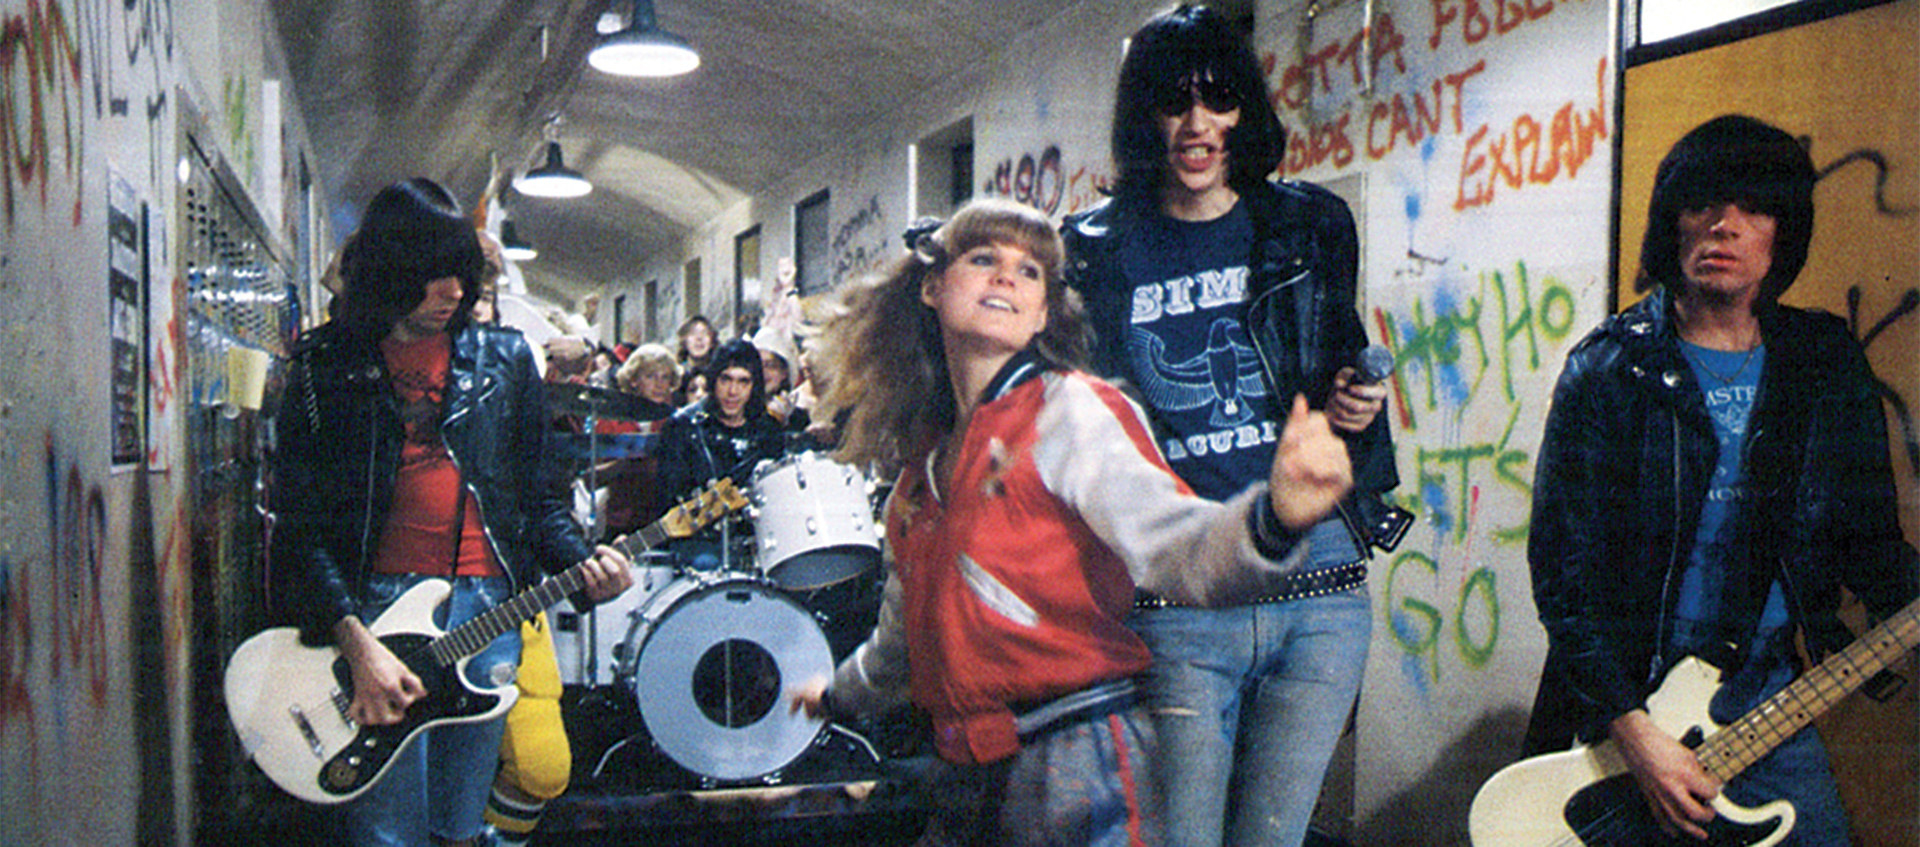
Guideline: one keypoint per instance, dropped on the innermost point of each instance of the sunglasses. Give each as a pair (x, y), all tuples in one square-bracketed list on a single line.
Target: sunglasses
[(1177, 99)]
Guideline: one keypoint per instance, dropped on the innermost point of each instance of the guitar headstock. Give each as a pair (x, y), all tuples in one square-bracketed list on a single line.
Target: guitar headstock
[(708, 506)]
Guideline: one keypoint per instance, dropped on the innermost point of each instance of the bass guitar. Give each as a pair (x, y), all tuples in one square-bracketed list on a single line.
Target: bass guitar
[(288, 701), (1586, 795)]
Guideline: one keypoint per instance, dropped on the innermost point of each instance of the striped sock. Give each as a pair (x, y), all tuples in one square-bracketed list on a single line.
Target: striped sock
[(513, 821)]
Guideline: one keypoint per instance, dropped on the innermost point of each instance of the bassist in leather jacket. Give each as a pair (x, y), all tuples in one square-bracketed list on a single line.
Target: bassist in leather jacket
[(1714, 470)]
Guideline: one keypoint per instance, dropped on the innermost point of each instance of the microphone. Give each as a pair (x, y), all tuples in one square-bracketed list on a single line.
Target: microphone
[(1372, 364)]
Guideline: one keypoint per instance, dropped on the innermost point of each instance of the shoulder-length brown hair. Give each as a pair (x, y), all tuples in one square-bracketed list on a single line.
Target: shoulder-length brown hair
[(883, 349)]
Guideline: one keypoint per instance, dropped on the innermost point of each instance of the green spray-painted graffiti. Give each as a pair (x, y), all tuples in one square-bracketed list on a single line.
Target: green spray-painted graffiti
[(1437, 347)]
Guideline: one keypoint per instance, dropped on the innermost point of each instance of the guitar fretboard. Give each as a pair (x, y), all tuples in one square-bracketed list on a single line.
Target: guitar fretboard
[(475, 634), (1743, 742)]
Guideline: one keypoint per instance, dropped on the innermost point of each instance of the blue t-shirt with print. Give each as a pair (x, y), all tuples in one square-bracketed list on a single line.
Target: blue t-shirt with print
[(1730, 383), (1188, 353), (1196, 370)]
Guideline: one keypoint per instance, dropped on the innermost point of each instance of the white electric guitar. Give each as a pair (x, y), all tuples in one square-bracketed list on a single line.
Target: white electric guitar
[(1586, 796), (289, 701)]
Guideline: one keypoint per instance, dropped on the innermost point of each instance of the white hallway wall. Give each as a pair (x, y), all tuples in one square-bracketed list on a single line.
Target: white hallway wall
[(1483, 155), (95, 557)]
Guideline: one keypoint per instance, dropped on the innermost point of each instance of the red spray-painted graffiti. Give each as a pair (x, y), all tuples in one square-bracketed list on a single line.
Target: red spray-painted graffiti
[(1530, 153), (76, 652), (1034, 181), (40, 98)]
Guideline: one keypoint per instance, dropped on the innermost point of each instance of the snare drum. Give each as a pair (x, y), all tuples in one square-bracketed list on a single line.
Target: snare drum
[(586, 644), (711, 659), (813, 522)]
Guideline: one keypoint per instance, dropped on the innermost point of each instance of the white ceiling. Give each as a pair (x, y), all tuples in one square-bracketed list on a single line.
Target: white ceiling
[(397, 88)]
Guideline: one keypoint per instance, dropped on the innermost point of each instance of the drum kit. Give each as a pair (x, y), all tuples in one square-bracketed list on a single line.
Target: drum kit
[(707, 655)]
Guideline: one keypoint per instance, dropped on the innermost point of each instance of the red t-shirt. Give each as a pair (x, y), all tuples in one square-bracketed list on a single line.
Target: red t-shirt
[(419, 535)]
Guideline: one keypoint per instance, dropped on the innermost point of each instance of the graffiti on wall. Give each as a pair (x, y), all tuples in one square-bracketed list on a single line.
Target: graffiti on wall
[(51, 59), (42, 130), (1041, 181), (859, 242), (69, 669), (1460, 352), (1379, 118)]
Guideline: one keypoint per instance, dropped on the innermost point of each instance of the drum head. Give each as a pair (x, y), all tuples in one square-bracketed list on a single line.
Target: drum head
[(713, 674)]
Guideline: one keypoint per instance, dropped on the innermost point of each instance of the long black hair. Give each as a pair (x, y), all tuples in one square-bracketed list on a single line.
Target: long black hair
[(1740, 160), (412, 234), (1165, 55)]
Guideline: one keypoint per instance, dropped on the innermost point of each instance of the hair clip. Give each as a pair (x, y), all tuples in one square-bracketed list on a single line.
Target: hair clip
[(919, 238)]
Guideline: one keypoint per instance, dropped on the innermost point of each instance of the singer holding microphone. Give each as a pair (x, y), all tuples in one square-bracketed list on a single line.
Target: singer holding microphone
[(1218, 296)]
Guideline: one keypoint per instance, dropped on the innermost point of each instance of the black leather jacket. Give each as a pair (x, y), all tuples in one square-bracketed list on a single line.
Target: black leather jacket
[(338, 439), (1301, 317), (1624, 467)]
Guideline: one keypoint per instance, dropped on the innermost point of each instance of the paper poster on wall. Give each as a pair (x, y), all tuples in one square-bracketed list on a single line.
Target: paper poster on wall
[(126, 285)]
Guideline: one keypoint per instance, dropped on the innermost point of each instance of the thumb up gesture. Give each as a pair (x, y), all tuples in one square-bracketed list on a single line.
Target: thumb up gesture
[(1311, 471)]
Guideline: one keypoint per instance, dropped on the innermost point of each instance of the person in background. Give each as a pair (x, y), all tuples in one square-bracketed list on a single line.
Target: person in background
[(602, 367), (721, 437), (697, 340), (693, 390), (1031, 503), (1714, 470), (776, 363), (635, 493), (408, 448), (1218, 296)]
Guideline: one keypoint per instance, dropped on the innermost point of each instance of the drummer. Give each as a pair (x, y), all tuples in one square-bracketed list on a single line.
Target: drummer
[(723, 436)]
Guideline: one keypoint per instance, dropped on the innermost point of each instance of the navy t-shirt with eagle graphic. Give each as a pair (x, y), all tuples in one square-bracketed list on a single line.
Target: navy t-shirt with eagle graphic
[(1188, 351), (1196, 370)]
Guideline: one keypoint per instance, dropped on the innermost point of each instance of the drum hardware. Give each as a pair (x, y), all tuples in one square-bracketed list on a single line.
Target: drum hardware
[(587, 645)]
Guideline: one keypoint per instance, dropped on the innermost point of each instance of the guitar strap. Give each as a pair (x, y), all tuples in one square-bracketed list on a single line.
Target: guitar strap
[(459, 517)]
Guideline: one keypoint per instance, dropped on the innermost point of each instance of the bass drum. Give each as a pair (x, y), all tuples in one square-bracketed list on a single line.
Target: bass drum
[(711, 661)]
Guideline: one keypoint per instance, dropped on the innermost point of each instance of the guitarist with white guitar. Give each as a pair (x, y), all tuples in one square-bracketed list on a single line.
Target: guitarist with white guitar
[(407, 470), (1714, 470)]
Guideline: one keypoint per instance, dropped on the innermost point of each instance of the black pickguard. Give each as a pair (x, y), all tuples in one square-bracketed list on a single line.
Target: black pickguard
[(1612, 813), (373, 748)]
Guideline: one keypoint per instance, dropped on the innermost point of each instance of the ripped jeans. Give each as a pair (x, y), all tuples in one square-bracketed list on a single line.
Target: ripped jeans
[(438, 786)]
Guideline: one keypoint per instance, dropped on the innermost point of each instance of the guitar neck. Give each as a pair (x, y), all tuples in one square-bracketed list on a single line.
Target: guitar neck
[(636, 543), (1743, 742), (474, 635)]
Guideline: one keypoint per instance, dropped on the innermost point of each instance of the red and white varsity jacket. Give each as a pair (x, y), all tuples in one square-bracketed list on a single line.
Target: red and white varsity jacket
[(1012, 585)]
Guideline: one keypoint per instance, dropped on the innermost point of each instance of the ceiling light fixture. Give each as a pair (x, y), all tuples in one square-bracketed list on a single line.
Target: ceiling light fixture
[(513, 246), (643, 48), (553, 179)]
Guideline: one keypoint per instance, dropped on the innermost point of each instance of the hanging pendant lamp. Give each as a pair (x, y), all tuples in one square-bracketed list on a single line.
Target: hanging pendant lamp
[(553, 179), (512, 245), (643, 48)]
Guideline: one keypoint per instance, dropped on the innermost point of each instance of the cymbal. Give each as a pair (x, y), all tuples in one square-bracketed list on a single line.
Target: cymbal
[(573, 399)]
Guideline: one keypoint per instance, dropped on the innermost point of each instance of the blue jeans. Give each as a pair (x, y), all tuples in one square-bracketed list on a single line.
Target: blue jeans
[(1082, 782), (1248, 703), (438, 786)]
